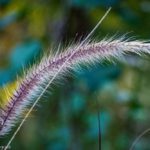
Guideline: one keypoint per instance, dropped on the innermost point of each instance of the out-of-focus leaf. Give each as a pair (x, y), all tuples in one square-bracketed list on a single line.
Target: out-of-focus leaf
[(77, 103), (7, 20), (24, 53), (5, 76), (103, 74)]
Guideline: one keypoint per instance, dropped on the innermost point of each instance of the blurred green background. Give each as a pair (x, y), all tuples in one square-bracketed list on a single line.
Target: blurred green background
[(67, 119)]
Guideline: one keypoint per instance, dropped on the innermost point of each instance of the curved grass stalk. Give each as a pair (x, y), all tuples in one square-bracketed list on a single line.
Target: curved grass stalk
[(138, 138)]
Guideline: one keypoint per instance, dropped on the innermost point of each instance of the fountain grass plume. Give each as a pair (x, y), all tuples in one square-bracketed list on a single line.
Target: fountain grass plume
[(39, 75)]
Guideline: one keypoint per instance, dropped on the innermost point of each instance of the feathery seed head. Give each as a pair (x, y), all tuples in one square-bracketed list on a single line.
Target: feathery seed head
[(37, 77)]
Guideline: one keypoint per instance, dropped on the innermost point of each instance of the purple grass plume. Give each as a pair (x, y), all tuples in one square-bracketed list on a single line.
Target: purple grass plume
[(39, 75)]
